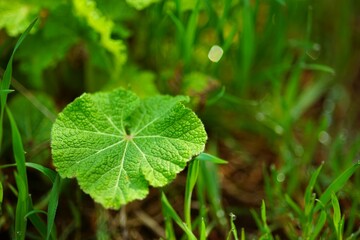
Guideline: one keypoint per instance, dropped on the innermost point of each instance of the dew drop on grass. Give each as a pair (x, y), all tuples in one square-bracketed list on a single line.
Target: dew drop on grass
[(280, 177), (324, 137), (316, 47), (329, 106), (220, 213), (343, 135), (260, 116), (299, 150), (279, 130), (215, 53), (314, 52)]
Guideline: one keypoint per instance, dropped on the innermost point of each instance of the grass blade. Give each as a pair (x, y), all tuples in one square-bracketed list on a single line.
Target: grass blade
[(53, 203), (210, 158), (1, 195), (337, 219), (247, 44), (309, 96), (319, 67), (266, 228), (256, 218), (233, 230), (37, 221), (210, 183), (6, 91), (21, 180), (8, 165), (202, 230), (319, 225), (310, 187), (293, 205), (21, 208), (233, 227), (243, 234), (169, 229), (170, 212), (193, 172), (309, 197), (179, 26), (18, 149), (5, 83), (336, 185), (214, 99), (35, 211), (190, 33), (337, 212), (6, 80), (51, 174)]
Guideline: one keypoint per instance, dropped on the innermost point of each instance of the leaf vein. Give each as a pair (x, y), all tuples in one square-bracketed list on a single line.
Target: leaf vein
[(167, 138), (113, 124), (147, 125), (145, 158), (121, 166), (92, 132), (99, 151)]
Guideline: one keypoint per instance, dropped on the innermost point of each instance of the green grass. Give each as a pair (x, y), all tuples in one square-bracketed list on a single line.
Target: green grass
[(280, 107), (24, 208)]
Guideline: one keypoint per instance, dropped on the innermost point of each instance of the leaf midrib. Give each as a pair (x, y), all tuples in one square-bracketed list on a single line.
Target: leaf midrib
[(100, 150)]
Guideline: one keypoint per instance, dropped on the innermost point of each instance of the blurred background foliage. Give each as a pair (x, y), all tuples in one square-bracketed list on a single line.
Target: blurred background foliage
[(282, 99)]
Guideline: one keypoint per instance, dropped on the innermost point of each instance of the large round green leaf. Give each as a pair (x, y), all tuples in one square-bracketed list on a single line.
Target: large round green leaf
[(116, 145)]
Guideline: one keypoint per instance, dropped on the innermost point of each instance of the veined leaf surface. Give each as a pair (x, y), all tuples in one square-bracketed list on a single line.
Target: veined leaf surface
[(116, 145)]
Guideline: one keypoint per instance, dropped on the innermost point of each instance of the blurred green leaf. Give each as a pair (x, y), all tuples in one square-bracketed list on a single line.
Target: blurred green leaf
[(51, 44), (103, 25), (36, 126), (139, 81), (141, 4), (16, 16), (200, 88)]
